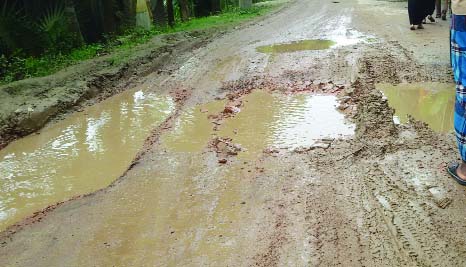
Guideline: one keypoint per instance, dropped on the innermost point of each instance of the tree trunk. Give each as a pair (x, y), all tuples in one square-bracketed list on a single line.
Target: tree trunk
[(185, 10), (160, 15), (170, 13), (215, 6), (129, 12), (245, 3), (70, 12), (202, 8), (109, 20)]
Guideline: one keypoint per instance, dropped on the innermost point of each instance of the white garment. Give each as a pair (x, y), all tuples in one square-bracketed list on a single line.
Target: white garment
[(458, 7)]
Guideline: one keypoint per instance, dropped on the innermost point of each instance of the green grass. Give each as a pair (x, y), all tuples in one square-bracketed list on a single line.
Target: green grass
[(18, 68), (223, 19)]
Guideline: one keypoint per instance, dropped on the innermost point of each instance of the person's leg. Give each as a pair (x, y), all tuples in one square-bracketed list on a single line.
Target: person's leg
[(430, 10), (445, 9), (460, 129), (458, 61), (438, 8), (411, 14)]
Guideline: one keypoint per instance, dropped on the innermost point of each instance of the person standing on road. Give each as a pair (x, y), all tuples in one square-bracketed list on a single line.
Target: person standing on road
[(417, 12), (458, 61), (442, 13), (430, 8)]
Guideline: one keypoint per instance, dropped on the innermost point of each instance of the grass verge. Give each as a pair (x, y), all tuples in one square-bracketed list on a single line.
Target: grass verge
[(18, 68)]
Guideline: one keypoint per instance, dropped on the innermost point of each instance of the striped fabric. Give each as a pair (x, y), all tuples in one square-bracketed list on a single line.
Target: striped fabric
[(458, 60)]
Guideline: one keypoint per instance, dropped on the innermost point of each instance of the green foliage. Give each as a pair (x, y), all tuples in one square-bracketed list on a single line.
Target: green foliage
[(54, 25), (55, 31), (60, 52), (9, 17), (17, 32), (232, 16)]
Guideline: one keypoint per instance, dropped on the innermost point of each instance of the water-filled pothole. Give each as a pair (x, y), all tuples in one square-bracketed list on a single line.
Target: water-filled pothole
[(81, 154), (432, 103), (266, 120), (337, 38), (296, 46)]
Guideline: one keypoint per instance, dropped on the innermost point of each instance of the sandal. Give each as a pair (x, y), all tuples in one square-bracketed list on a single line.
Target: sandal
[(424, 21), (420, 27), (431, 18), (412, 27), (444, 15), (451, 169)]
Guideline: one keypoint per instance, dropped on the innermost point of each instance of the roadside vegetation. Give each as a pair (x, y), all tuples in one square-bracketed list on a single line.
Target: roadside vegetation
[(38, 38)]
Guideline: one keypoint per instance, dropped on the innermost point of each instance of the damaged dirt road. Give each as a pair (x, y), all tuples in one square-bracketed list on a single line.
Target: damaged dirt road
[(256, 167)]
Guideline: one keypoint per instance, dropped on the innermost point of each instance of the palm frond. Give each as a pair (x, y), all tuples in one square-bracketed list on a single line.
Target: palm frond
[(53, 22)]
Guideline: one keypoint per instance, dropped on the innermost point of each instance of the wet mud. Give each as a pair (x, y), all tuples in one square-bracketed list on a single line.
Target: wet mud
[(78, 155), (239, 175)]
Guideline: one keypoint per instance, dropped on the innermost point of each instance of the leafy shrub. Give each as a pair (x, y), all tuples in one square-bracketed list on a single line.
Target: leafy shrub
[(56, 32)]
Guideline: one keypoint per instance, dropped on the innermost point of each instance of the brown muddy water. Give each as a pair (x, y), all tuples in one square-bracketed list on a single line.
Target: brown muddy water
[(189, 205), (182, 208), (81, 154), (432, 103), (265, 121), (338, 37), (296, 46)]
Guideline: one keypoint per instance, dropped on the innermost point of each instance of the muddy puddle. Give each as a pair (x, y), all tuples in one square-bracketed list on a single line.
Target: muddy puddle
[(191, 206), (432, 103), (339, 37), (195, 208), (296, 46), (264, 121), (83, 153)]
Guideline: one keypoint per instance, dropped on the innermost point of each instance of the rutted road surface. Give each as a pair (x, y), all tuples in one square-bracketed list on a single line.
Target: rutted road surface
[(231, 179)]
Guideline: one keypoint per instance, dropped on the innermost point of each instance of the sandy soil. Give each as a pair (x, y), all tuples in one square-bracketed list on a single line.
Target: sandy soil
[(381, 198)]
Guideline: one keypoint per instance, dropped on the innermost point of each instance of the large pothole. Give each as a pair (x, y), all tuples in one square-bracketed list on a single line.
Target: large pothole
[(78, 155)]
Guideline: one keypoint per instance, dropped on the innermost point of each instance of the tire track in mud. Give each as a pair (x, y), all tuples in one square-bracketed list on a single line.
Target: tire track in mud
[(282, 206), (350, 215), (363, 210), (271, 255), (344, 226), (396, 211), (409, 216)]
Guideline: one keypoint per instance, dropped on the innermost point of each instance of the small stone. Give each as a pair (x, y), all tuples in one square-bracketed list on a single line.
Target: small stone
[(350, 91), (231, 110), (320, 145), (222, 161)]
